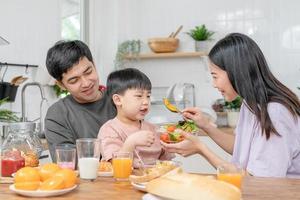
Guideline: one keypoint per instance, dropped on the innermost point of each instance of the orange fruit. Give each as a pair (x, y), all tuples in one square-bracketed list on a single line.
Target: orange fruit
[(54, 183), (48, 170), (33, 185), (69, 176), (27, 174)]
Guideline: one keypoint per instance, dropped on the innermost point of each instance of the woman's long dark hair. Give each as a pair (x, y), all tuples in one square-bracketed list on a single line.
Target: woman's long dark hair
[(252, 79)]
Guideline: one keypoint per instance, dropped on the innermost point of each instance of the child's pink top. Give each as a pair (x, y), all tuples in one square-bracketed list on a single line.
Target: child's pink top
[(114, 133)]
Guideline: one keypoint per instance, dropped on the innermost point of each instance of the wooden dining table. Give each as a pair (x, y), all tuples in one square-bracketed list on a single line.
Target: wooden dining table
[(107, 188)]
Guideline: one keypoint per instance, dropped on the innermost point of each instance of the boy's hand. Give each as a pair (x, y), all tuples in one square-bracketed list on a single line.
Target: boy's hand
[(142, 138)]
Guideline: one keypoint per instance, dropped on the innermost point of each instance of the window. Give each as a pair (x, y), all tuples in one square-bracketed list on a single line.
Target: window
[(73, 20)]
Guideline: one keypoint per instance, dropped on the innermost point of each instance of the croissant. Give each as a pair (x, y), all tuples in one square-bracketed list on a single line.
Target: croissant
[(31, 159)]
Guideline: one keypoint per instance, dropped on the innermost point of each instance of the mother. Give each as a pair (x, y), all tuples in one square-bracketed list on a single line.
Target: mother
[(267, 137)]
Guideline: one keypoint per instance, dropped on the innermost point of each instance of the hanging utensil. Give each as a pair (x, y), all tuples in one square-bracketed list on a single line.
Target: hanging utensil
[(15, 79), (20, 81)]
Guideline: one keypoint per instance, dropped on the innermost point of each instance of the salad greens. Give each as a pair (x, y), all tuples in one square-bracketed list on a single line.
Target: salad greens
[(187, 126)]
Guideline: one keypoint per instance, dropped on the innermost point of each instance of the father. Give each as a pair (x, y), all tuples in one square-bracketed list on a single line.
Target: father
[(85, 110)]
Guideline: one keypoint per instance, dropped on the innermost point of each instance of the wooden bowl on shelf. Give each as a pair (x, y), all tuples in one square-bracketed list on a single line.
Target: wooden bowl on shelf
[(163, 45)]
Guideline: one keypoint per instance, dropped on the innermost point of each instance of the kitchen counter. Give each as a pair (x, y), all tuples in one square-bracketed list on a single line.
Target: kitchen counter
[(106, 188)]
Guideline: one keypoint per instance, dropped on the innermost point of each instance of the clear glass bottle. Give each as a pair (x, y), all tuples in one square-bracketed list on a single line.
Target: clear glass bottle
[(22, 147)]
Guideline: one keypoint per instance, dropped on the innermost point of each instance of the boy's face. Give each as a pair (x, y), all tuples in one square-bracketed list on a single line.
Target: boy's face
[(82, 81), (134, 104)]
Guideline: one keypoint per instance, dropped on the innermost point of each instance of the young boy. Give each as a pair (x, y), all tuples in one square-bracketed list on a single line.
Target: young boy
[(130, 91)]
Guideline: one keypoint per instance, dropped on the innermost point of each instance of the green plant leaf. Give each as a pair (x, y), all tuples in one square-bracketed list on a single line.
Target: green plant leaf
[(200, 33), (235, 104), (3, 101), (59, 92), (8, 116)]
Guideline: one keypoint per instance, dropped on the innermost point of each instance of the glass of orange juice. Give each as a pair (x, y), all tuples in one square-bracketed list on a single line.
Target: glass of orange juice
[(231, 173), (122, 165)]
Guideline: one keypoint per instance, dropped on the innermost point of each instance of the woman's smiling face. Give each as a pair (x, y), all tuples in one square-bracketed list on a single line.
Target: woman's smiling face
[(222, 82)]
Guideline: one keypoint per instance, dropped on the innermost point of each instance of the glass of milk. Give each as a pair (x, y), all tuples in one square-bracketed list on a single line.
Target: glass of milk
[(88, 151)]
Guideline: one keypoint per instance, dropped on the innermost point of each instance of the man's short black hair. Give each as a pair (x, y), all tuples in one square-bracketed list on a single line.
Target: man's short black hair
[(121, 80), (64, 55)]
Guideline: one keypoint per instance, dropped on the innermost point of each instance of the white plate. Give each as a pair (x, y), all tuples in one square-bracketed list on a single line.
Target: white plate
[(39, 193), (139, 186), (150, 197), (105, 174)]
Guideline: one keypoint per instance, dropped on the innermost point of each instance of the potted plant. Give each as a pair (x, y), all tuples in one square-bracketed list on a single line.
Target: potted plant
[(201, 35), (128, 47), (219, 107), (233, 110)]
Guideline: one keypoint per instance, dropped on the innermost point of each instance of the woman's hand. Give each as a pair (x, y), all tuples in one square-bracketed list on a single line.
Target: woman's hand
[(197, 116), (189, 146)]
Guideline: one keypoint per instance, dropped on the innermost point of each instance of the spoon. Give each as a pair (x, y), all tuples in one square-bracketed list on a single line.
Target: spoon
[(141, 161), (171, 107)]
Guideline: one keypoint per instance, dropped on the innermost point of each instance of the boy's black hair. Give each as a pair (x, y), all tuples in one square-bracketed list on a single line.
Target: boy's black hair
[(121, 80), (64, 55)]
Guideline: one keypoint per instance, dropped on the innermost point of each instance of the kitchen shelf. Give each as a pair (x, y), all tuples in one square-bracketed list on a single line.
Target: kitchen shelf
[(166, 55)]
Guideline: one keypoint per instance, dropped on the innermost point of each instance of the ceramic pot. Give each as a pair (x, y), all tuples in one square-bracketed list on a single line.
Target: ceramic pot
[(202, 46), (232, 118)]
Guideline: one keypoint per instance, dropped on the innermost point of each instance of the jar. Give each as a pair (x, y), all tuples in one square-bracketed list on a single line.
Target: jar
[(21, 145), (11, 162)]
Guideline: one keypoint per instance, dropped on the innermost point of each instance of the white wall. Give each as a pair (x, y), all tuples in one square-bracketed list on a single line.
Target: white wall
[(31, 27), (274, 24)]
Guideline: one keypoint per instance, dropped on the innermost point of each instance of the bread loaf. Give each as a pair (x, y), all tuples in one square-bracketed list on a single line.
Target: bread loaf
[(183, 186), (158, 170)]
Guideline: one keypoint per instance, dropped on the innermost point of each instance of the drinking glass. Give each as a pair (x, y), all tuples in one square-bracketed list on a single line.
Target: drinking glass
[(88, 150), (231, 173), (122, 165), (66, 155)]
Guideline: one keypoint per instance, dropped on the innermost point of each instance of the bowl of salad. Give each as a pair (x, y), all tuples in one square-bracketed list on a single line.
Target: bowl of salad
[(171, 132)]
